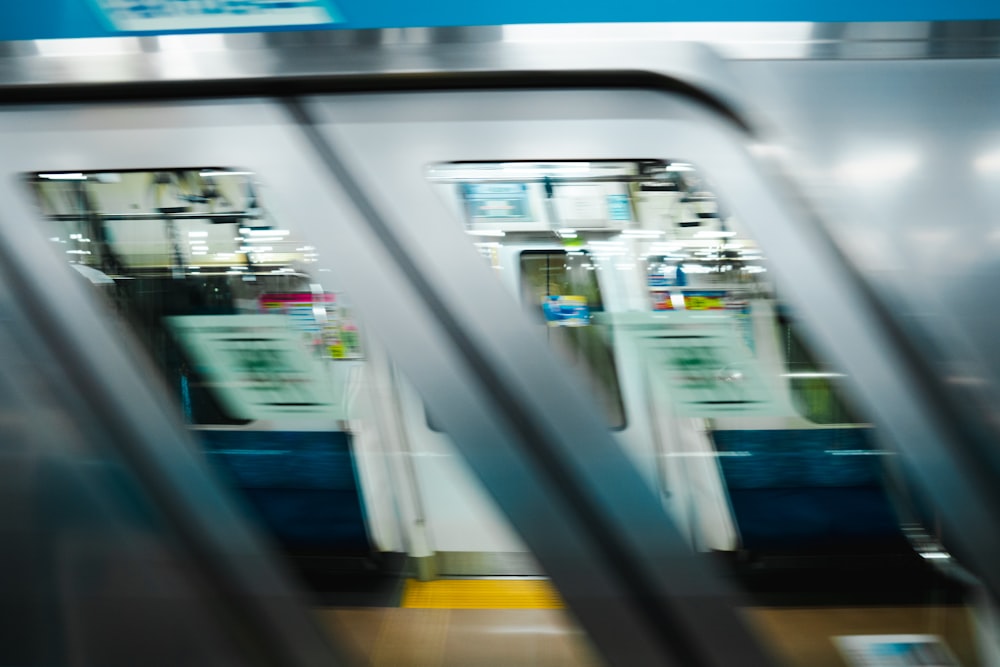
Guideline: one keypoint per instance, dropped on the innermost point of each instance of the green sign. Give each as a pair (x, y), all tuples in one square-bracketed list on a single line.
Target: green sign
[(258, 365), (709, 372)]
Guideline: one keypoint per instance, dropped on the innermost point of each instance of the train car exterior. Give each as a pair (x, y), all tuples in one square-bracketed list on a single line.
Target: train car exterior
[(338, 273)]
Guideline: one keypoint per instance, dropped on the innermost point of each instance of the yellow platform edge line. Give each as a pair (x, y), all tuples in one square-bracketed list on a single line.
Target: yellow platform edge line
[(480, 594)]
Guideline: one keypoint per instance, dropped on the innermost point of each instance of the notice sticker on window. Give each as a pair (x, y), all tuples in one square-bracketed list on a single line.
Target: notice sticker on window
[(566, 311), (175, 15), (895, 651)]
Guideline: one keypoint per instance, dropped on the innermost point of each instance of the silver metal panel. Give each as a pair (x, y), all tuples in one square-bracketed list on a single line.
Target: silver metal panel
[(482, 563), (902, 162), (340, 56)]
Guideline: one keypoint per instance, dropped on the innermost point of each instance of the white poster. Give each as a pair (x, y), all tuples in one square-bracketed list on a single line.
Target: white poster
[(258, 366)]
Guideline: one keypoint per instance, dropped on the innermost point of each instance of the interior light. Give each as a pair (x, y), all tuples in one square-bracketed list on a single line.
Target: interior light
[(189, 43), (877, 168), (707, 234), (225, 173), (485, 232), (93, 46), (69, 176)]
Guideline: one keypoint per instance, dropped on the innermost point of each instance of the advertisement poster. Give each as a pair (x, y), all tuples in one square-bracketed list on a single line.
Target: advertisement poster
[(661, 300), (704, 300), (258, 365), (322, 319), (709, 372)]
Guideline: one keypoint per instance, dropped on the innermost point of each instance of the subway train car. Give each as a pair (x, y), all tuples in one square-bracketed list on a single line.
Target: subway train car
[(655, 297), (423, 298)]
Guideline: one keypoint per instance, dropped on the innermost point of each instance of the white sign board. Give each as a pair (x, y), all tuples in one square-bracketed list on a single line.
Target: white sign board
[(258, 365), (709, 372), (171, 15)]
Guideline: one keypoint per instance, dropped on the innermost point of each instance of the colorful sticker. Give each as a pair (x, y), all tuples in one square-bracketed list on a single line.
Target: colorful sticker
[(566, 311), (705, 300), (496, 201), (321, 318), (662, 301)]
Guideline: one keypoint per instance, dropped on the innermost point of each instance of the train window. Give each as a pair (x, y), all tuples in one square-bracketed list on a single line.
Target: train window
[(561, 287), (814, 386), (647, 283), (261, 354), (180, 252), (657, 223)]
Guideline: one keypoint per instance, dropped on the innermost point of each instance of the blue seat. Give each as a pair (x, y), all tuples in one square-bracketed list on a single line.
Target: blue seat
[(302, 485), (808, 490)]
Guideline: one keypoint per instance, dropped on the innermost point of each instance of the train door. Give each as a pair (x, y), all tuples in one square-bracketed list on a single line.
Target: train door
[(686, 308)]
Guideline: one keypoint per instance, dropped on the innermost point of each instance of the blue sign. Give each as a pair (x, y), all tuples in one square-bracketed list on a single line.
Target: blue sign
[(618, 208), (61, 19)]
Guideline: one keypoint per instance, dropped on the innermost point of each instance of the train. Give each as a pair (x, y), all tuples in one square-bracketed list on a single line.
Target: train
[(696, 244)]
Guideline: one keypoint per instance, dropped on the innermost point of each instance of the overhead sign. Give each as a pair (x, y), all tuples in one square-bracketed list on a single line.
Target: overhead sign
[(158, 16), (323, 321), (486, 202)]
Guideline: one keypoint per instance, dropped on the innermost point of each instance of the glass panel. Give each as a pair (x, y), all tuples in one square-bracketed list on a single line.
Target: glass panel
[(262, 357)]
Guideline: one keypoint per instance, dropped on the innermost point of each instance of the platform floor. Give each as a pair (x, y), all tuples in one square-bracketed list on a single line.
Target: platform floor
[(486, 623)]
